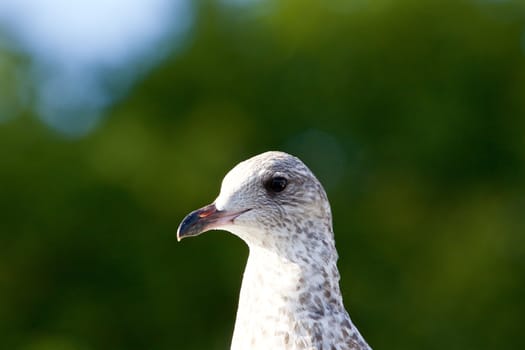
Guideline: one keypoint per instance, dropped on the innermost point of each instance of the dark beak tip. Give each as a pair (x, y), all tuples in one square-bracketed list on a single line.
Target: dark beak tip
[(186, 227), (182, 232), (195, 222), (179, 236)]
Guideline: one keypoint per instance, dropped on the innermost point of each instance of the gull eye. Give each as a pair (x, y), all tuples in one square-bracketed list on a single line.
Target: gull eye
[(276, 184)]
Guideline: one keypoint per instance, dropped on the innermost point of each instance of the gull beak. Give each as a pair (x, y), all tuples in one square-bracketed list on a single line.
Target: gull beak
[(205, 219)]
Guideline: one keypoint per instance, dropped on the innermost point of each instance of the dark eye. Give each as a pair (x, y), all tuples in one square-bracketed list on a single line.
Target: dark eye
[(276, 184)]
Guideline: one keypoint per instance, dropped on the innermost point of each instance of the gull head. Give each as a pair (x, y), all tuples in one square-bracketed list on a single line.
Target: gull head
[(271, 200)]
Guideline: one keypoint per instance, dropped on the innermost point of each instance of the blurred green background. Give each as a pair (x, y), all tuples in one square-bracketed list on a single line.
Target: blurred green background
[(412, 113)]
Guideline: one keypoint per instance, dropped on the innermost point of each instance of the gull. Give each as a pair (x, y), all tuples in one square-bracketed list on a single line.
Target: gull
[(290, 297)]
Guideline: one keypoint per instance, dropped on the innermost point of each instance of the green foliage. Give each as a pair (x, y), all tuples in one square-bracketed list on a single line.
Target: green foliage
[(416, 108)]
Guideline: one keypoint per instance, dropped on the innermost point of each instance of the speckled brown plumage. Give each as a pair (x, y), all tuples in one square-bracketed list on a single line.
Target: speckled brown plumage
[(290, 297)]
